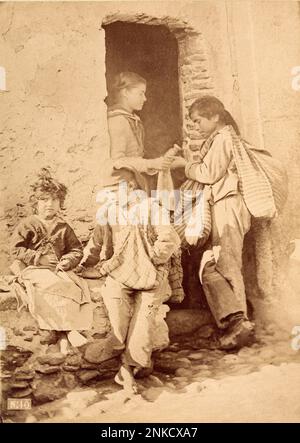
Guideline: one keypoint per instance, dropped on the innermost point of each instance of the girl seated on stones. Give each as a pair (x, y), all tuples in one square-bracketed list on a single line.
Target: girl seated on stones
[(46, 249)]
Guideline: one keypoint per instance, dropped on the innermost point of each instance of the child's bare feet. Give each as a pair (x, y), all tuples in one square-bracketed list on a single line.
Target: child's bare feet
[(76, 339), (64, 346), (126, 379)]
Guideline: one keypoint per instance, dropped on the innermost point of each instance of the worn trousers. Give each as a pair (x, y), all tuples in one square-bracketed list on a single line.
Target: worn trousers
[(132, 317), (221, 265)]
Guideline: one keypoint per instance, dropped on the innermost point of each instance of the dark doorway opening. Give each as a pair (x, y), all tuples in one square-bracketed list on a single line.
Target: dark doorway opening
[(152, 52)]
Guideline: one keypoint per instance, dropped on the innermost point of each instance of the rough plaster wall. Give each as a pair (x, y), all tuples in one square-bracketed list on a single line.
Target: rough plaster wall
[(53, 112), (277, 43)]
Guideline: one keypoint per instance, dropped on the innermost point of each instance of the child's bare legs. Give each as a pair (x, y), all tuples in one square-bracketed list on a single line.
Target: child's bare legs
[(125, 377), (118, 300), (139, 339), (137, 354), (132, 315), (70, 338)]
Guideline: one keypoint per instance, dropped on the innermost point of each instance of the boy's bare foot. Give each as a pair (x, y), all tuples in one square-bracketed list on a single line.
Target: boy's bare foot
[(126, 379)]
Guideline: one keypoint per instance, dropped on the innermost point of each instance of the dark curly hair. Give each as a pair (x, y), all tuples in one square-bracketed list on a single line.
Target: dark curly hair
[(208, 106), (46, 184)]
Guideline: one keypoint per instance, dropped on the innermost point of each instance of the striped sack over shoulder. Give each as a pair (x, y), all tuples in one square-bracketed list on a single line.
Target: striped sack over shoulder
[(262, 180)]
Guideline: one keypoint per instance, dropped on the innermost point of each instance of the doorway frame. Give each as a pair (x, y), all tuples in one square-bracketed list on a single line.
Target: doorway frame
[(194, 76)]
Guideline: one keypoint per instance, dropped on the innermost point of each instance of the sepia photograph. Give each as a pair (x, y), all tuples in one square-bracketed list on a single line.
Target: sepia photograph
[(149, 214)]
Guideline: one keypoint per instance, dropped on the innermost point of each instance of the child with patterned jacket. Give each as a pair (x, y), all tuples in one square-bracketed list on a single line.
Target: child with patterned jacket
[(46, 249)]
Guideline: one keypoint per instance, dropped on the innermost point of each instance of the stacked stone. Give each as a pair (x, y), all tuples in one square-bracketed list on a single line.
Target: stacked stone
[(32, 365), (172, 23), (194, 79), (50, 375)]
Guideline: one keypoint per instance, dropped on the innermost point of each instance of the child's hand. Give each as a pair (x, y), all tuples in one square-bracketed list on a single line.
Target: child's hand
[(188, 154), (48, 260), (169, 157), (79, 269), (178, 162), (91, 273), (63, 265), (173, 151), (192, 240), (167, 162)]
